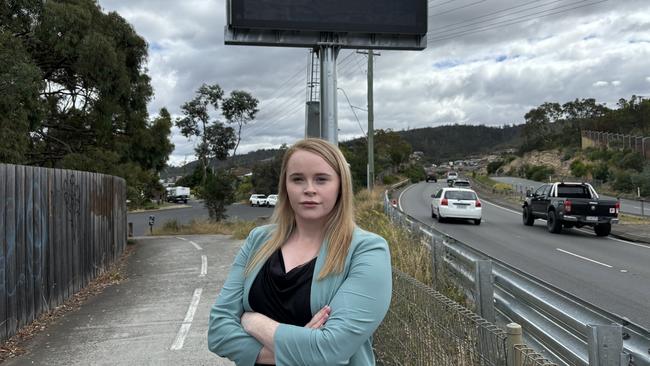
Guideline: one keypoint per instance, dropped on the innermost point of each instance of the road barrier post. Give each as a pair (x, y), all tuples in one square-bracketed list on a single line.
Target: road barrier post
[(484, 289), (605, 343)]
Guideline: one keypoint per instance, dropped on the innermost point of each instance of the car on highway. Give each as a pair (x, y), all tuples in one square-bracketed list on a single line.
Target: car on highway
[(432, 177), (461, 183), (451, 177), (272, 200), (257, 200), (568, 205), (456, 203)]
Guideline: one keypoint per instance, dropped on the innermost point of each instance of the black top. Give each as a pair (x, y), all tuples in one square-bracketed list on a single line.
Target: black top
[(283, 297)]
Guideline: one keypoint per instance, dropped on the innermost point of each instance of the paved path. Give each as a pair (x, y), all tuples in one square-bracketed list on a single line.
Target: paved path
[(159, 316)]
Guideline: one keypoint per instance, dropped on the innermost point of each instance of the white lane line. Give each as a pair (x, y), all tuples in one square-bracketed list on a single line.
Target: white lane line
[(399, 199), (501, 207), (183, 239), (585, 258), (187, 322), (196, 245), (204, 266)]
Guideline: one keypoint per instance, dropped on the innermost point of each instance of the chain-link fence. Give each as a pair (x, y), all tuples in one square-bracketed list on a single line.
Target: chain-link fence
[(423, 327)]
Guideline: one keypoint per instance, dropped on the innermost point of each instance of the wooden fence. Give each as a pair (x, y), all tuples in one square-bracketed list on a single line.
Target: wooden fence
[(59, 229)]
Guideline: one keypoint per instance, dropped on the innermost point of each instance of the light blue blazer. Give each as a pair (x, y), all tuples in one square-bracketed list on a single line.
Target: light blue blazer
[(359, 298)]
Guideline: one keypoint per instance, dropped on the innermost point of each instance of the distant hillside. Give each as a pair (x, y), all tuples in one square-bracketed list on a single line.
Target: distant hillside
[(246, 160), (438, 144), (460, 141)]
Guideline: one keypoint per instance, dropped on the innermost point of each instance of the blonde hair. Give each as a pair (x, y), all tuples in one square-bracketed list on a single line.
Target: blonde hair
[(340, 223)]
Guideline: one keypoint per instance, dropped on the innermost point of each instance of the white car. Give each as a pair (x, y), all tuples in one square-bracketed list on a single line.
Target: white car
[(457, 203), (257, 200), (272, 200)]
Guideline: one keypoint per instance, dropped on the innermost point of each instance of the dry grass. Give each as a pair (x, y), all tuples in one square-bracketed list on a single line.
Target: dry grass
[(633, 220), (238, 229), (408, 254)]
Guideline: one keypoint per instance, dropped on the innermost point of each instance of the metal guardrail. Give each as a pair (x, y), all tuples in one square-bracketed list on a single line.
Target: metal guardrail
[(570, 330)]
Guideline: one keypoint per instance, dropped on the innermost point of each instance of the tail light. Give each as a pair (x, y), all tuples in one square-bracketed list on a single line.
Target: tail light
[(478, 203), (567, 206), (618, 207), (444, 202)]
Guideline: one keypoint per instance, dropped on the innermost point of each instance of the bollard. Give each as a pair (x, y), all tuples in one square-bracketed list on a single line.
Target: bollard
[(514, 337), (130, 229)]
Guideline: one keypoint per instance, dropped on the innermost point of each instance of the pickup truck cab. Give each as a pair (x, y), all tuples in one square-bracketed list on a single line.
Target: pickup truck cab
[(570, 205)]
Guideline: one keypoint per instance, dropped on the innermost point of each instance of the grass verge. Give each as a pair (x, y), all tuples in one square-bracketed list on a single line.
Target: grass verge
[(238, 229)]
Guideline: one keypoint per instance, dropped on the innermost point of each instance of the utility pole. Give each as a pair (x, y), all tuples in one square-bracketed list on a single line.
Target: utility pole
[(371, 121)]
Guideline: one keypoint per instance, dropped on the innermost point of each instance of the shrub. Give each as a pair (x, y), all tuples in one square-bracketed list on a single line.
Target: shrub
[(538, 173), (414, 172), (623, 181), (492, 167), (390, 179), (579, 169), (601, 172), (632, 160)]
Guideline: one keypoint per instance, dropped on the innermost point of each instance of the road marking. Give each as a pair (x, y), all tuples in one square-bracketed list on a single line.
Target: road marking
[(187, 322), (585, 258), (183, 239), (196, 245), (204, 266), (501, 207)]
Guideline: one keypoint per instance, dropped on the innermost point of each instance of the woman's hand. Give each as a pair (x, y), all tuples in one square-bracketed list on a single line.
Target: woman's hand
[(319, 318)]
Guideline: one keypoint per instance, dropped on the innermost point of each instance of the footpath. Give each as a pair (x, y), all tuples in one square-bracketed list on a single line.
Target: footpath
[(632, 232), (157, 316)]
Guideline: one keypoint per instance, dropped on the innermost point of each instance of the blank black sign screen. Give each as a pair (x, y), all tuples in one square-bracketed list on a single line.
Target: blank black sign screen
[(357, 16)]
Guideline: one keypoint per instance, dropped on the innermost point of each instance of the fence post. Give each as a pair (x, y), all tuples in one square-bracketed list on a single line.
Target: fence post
[(434, 260), (484, 289), (605, 343), (514, 337)]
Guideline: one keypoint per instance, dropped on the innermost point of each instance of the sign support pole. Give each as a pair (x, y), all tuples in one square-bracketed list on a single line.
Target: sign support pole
[(328, 105)]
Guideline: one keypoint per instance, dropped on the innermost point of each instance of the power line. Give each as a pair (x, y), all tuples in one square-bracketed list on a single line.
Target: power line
[(517, 20), (457, 8), (467, 23)]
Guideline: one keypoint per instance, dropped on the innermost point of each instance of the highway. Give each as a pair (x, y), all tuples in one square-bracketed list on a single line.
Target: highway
[(194, 210), (610, 273)]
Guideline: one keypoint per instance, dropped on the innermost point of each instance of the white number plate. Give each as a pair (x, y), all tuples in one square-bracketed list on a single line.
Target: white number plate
[(461, 206), (592, 218)]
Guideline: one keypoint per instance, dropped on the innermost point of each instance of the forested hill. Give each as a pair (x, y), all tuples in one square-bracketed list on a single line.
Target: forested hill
[(438, 144), (247, 160), (459, 141)]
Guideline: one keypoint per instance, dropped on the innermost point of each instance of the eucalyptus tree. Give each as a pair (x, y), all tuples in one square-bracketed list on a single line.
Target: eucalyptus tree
[(239, 109)]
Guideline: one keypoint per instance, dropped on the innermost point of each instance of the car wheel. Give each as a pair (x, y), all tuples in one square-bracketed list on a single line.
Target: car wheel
[(603, 229), (552, 223), (440, 218), (527, 216), (477, 222), (433, 214)]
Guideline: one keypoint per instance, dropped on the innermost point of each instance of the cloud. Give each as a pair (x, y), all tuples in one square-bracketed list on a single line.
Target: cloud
[(486, 63)]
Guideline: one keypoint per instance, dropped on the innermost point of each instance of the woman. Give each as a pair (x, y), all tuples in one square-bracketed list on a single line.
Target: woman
[(311, 288)]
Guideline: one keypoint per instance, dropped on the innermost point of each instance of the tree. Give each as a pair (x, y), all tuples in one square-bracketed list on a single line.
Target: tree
[(215, 138), (75, 91), (239, 109)]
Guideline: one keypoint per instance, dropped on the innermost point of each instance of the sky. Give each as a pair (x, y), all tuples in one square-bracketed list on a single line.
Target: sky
[(486, 62)]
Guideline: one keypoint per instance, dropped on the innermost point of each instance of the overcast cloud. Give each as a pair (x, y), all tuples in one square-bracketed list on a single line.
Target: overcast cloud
[(487, 62)]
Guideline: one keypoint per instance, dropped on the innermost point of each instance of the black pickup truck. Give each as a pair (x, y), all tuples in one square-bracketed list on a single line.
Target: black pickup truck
[(570, 205)]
